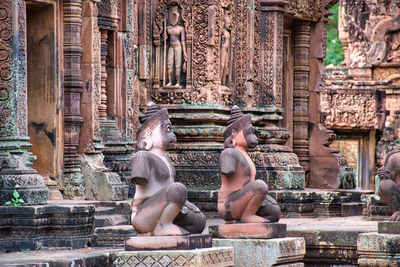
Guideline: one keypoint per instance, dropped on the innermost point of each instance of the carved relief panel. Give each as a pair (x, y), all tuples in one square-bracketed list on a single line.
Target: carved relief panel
[(370, 32)]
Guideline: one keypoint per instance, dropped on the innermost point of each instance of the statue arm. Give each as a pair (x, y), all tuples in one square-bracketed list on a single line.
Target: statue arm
[(228, 162), (183, 42), (140, 168)]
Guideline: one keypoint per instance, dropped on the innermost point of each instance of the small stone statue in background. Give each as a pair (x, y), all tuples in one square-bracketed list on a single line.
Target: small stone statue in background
[(225, 50), (177, 46), (241, 197), (389, 188), (160, 205)]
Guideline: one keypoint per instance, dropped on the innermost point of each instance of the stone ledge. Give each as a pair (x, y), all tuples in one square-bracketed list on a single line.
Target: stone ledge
[(45, 226), (249, 230), (376, 249), (210, 257), (287, 251)]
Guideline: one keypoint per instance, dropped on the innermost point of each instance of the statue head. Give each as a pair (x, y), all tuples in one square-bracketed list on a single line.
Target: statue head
[(227, 23), (156, 129), (174, 15), (240, 131)]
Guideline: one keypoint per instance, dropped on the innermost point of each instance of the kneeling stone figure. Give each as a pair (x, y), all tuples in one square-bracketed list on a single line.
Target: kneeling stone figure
[(241, 197), (160, 205)]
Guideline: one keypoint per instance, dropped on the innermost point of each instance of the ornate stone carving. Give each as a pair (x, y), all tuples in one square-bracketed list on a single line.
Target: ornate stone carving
[(351, 109), (370, 32)]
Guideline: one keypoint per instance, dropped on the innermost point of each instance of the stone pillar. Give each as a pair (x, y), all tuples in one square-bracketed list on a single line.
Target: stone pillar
[(73, 178), (271, 20), (300, 91), (15, 160)]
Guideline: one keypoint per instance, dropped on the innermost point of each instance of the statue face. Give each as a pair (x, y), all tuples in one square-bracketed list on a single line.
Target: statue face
[(227, 23), (246, 137), (163, 137), (174, 17), (249, 135)]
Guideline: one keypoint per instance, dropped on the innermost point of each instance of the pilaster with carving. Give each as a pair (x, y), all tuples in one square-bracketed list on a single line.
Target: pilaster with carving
[(15, 160), (73, 178), (300, 91), (271, 19)]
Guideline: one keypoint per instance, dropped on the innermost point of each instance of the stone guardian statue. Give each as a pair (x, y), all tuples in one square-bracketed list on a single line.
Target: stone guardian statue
[(160, 205), (241, 197), (389, 188)]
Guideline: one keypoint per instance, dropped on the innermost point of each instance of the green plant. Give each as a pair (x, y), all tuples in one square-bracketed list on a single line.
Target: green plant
[(15, 201), (334, 48)]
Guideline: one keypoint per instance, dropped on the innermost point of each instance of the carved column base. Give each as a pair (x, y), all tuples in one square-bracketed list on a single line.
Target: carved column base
[(16, 173), (74, 186), (117, 149), (100, 182)]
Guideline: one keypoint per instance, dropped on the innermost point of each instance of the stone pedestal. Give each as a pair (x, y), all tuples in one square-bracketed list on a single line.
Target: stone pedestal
[(210, 257), (378, 249), (45, 226), (249, 230), (389, 227), (266, 252), (143, 242)]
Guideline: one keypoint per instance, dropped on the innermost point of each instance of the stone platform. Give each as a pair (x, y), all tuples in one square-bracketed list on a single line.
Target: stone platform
[(248, 230), (143, 242), (45, 226), (377, 249), (210, 257), (266, 252)]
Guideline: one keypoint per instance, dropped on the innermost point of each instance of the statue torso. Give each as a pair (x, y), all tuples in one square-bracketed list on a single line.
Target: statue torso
[(245, 173), (162, 174)]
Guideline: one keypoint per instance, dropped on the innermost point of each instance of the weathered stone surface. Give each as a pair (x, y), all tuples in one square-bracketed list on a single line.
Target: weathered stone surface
[(389, 227), (331, 247), (265, 252), (37, 227), (100, 182), (377, 249), (144, 242), (210, 257), (248, 230)]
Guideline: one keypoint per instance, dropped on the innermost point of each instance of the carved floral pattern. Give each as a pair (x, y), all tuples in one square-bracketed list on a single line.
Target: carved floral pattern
[(6, 73)]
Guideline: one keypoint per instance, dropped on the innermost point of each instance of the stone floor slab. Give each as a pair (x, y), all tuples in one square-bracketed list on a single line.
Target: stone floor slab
[(287, 251), (206, 257)]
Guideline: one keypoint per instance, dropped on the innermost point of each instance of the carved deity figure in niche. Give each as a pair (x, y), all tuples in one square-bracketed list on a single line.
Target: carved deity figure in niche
[(160, 205), (241, 197), (225, 50), (176, 48), (389, 188), (394, 52)]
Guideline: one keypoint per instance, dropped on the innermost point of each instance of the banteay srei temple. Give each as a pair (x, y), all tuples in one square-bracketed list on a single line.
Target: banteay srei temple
[(199, 133)]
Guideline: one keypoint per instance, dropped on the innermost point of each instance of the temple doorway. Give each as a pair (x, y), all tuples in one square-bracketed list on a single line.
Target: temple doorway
[(358, 148), (44, 95)]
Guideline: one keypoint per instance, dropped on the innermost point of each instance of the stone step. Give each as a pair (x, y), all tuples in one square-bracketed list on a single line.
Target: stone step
[(106, 220), (112, 236), (101, 211), (352, 209)]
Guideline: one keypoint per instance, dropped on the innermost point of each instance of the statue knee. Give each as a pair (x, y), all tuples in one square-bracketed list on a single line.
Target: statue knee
[(260, 187), (177, 193), (386, 187)]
